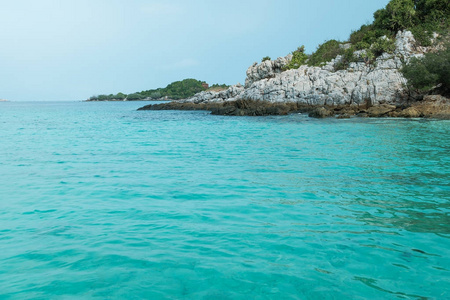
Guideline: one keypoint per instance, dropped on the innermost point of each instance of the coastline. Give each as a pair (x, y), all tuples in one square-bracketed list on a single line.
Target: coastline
[(378, 89), (434, 106)]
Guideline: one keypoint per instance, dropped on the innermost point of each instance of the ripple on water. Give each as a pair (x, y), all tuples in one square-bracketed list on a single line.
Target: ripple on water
[(99, 200)]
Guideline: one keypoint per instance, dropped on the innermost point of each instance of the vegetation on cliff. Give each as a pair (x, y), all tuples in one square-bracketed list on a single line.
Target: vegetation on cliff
[(299, 58), (430, 72), (421, 17)]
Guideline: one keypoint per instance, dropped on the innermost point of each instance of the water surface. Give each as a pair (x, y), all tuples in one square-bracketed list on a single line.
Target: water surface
[(98, 200)]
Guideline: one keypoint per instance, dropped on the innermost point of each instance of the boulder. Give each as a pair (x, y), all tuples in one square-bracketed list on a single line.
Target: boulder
[(380, 110), (321, 112), (410, 112)]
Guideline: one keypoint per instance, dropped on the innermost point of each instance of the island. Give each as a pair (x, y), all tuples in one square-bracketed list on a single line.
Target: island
[(397, 66)]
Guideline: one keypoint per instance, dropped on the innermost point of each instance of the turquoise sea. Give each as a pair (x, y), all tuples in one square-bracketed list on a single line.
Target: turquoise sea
[(98, 200)]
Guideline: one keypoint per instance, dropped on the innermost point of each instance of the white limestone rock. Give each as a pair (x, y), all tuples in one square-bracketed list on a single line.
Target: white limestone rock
[(266, 69), (361, 83), (210, 96)]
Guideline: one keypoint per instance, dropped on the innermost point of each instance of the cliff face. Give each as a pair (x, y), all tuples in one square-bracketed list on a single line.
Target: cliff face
[(361, 83)]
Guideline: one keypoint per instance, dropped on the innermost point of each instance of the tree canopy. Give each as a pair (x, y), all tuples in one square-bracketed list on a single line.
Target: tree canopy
[(176, 90)]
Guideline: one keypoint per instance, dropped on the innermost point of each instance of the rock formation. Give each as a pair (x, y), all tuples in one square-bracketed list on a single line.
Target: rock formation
[(361, 85)]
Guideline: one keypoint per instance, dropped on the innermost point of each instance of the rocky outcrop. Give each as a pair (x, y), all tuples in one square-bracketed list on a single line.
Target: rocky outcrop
[(209, 96), (266, 69), (373, 90), (431, 107), (321, 112), (360, 84)]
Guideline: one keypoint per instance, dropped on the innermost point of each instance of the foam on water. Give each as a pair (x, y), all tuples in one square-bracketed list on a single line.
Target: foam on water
[(98, 200)]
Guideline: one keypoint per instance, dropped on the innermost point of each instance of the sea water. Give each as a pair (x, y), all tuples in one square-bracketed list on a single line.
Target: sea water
[(98, 200)]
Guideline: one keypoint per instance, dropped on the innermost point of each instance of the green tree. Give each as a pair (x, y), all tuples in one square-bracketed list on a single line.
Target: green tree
[(398, 15), (430, 71), (135, 96), (432, 11), (325, 52), (299, 58), (120, 96)]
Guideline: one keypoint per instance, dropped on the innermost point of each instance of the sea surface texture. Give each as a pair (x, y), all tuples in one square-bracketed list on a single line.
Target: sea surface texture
[(98, 200)]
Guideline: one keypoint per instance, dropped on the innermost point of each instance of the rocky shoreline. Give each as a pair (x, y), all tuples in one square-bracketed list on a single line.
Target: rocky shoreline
[(434, 106)]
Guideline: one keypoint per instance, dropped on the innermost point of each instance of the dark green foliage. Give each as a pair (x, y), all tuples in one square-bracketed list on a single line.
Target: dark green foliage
[(348, 57), (422, 17), (325, 53), (102, 97), (265, 58), (216, 85), (423, 33), (299, 58), (176, 90), (135, 96), (430, 71), (367, 35), (432, 16), (398, 15), (382, 45), (184, 89), (433, 11), (118, 96)]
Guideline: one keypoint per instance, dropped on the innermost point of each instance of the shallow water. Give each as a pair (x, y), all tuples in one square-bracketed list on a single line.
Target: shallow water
[(98, 200)]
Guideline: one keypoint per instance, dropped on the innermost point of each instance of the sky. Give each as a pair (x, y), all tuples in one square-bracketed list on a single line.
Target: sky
[(70, 50)]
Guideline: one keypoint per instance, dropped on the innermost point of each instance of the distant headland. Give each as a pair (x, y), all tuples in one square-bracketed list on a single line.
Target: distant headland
[(174, 91)]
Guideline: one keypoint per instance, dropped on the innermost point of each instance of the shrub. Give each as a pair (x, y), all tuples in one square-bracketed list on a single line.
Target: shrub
[(398, 15), (430, 71), (298, 58), (325, 53), (433, 11), (360, 34), (265, 58), (423, 33), (367, 35), (422, 17), (368, 57), (362, 45), (348, 56), (216, 85), (382, 45)]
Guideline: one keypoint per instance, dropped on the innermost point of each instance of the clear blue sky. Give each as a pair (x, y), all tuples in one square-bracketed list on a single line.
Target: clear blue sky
[(70, 50)]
